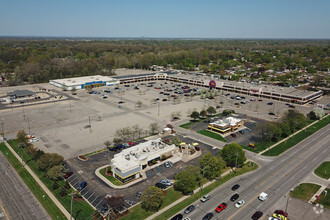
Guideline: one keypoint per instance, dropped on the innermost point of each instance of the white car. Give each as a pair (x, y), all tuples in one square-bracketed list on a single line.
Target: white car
[(205, 198), (166, 182), (239, 203), (33, 140), (187, 218)]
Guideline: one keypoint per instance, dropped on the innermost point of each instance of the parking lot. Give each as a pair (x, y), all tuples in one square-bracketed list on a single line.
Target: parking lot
[(96, 189)]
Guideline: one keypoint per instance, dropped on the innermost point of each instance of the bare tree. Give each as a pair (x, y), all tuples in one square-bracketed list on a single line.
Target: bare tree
[(139, 104), (154, 127), (136, 130), (107, 144)]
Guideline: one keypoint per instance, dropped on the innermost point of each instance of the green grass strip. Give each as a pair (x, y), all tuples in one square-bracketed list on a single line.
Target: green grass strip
[(212, 135), (305, 191), (290, 142), (323, 170), (138, 213), (325, 200), (111, 178), (81, 209), (50, 207)]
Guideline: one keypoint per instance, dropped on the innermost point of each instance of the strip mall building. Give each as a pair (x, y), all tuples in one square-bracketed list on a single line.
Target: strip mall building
[(285, 94)]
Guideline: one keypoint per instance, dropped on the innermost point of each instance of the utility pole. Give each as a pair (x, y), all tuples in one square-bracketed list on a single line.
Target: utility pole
[(21, 146), (158, 107), (236, 161), (90, 126), (71, 194), (23, 112), (287, 203), (28, 121), (3, 132)]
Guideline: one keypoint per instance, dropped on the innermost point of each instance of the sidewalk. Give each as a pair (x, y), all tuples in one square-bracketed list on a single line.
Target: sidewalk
[(182, 198), (274, 145), (47, 191)]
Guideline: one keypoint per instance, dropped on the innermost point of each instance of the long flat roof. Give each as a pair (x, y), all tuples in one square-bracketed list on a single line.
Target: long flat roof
[(83, 80), (140, 154), (246, 85)]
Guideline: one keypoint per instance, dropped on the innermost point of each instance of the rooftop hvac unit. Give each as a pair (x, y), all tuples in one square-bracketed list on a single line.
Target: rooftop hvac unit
[(127, 157), (137, 155)]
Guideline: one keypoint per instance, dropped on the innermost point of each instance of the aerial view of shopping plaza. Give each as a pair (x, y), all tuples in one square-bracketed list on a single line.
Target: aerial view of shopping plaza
[(119, 135)]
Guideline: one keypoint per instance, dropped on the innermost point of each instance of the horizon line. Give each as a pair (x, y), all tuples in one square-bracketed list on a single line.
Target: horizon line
[(159, 38)]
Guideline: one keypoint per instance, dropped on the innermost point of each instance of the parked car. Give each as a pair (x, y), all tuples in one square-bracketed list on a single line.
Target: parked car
[(208, 216), (205, 198), (167, 164), (221, 207), (236, 186), (257, 215), (177, 217), (189, 209), (281, 212), (82, 185), (239, 203), (233, 135), (291, 106), (269, 103), (68, 174), (234, 197), (166, 182), (160, 185)]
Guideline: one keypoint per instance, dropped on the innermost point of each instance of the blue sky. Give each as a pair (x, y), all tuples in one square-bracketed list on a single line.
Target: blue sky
[(166, 18)]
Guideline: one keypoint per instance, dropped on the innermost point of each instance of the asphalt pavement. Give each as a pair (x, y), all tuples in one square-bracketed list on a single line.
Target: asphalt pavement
[(16, 200), (276, 177)]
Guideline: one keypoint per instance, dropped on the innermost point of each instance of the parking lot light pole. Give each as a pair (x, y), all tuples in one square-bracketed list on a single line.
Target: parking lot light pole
[(3, 131)]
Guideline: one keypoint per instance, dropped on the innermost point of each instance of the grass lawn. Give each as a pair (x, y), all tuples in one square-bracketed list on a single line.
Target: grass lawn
[(212, 135), (282, 147), (138, 213), (305, 191), (81, 209), (259, 146), (186, 126), (50, 207), (323, 170), (111, 178), (325, 200)]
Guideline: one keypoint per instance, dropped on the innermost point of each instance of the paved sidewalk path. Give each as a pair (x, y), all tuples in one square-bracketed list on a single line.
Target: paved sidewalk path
[(41, 184)]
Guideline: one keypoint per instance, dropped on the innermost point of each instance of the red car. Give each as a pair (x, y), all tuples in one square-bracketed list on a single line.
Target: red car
[(131, 143), (281, 212), (68, 174), (221, 207)]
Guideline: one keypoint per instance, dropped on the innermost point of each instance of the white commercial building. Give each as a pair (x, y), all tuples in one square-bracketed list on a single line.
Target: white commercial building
[(128, 164), (86, 82)]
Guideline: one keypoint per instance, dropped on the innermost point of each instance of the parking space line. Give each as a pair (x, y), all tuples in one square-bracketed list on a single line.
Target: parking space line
[(90, 195), (95, 199), (99, 203)]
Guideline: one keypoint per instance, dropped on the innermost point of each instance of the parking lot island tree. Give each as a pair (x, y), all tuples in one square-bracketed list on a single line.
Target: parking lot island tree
[(152, 199), (211, 166), (233, 154), (194, 115), (188, 179), (211, 110)]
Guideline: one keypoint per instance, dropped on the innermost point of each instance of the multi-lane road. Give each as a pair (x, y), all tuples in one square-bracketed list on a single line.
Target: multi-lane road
[(276, 177), (16, 200)]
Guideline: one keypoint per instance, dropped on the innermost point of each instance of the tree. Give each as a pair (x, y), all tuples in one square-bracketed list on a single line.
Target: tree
[(152, 199), (55, 172), (188, 179), (176, 141), (203, 113), (49, 160), (312, 116), (107, 144), (211, 110), (139, 104), (194, 115), (136, 130), (211, 166), (117, 141), (233, 154), (115, 202), (153, 127), (22, 138)]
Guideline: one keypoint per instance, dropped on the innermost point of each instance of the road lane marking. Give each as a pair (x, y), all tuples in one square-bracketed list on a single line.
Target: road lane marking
[(318, 143), (4, 211)]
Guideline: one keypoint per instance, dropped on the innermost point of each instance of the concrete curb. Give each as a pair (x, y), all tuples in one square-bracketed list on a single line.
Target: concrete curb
[(42, 185)]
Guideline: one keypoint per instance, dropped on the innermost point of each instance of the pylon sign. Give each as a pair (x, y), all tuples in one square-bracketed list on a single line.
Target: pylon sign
[(212, 84)]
